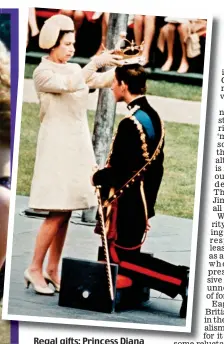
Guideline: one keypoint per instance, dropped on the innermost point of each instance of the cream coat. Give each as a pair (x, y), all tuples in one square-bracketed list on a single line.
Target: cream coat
[(64, 154)]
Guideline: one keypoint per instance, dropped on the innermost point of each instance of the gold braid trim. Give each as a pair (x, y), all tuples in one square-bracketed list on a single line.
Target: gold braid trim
[(132, 111), (114, 195), (138, 174), (146, 221), (144, 146), (144, 201)]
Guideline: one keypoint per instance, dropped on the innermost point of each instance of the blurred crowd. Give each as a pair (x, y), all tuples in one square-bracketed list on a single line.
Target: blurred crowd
[(169, 43)]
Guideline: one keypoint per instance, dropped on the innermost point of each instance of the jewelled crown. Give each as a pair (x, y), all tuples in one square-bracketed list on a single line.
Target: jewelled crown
[(132, 53)]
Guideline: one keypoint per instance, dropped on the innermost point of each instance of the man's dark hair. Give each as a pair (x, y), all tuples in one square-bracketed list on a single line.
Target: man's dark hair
[(61, 34), (134, 76)]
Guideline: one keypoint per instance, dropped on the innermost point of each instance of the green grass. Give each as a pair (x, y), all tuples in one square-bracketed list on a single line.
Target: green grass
[(29, 68), (155, 88), (176, 195), (179, 91)]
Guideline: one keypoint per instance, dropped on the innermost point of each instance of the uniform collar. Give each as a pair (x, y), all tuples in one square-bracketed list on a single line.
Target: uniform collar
[(134, 102)]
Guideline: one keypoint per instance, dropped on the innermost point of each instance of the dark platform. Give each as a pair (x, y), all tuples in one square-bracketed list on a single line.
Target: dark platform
[(84, 285)]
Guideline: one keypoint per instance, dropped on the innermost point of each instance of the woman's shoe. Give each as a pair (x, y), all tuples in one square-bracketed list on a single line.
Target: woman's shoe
[(49, 280), (38, 289)]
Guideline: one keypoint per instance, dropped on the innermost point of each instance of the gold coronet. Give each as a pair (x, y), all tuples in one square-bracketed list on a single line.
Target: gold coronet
[(131, 54), (130, 51)]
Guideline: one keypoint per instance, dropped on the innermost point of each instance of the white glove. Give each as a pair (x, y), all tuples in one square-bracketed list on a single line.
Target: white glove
[(107, 59)]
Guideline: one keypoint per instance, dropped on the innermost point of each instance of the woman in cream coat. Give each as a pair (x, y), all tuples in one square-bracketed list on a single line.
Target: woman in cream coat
[(64, 154)]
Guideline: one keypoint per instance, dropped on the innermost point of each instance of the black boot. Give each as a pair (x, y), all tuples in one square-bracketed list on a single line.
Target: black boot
[(184, 294), (2, 276)]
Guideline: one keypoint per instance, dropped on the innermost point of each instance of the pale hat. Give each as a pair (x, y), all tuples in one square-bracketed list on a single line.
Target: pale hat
[(51, 29)]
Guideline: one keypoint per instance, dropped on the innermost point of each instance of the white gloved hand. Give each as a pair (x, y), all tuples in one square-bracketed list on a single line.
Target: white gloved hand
[(107, 59)]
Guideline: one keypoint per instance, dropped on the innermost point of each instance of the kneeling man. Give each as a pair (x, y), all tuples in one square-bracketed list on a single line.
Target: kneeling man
[(130, 182)]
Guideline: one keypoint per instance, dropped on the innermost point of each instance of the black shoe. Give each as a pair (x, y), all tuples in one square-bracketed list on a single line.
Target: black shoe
[(184, 294), (2, 276)]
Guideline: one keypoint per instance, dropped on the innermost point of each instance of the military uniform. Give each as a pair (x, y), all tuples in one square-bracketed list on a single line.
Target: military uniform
[(140, 137)]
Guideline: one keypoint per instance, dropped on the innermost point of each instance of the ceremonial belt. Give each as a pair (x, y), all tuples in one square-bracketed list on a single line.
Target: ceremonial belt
[(140, 121), (140, 172)]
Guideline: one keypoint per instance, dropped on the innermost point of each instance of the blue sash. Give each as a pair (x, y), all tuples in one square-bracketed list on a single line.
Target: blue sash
[(146, 122)]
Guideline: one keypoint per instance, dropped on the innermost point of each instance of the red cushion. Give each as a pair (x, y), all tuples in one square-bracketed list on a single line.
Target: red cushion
[(123, 282)]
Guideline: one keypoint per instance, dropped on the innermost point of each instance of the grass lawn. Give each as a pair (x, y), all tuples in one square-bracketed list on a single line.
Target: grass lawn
[(176, 196), (156, 88), (174, 90)]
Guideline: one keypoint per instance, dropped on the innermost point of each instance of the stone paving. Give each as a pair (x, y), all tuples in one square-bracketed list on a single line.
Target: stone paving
[(169, 239), (172, 110)]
